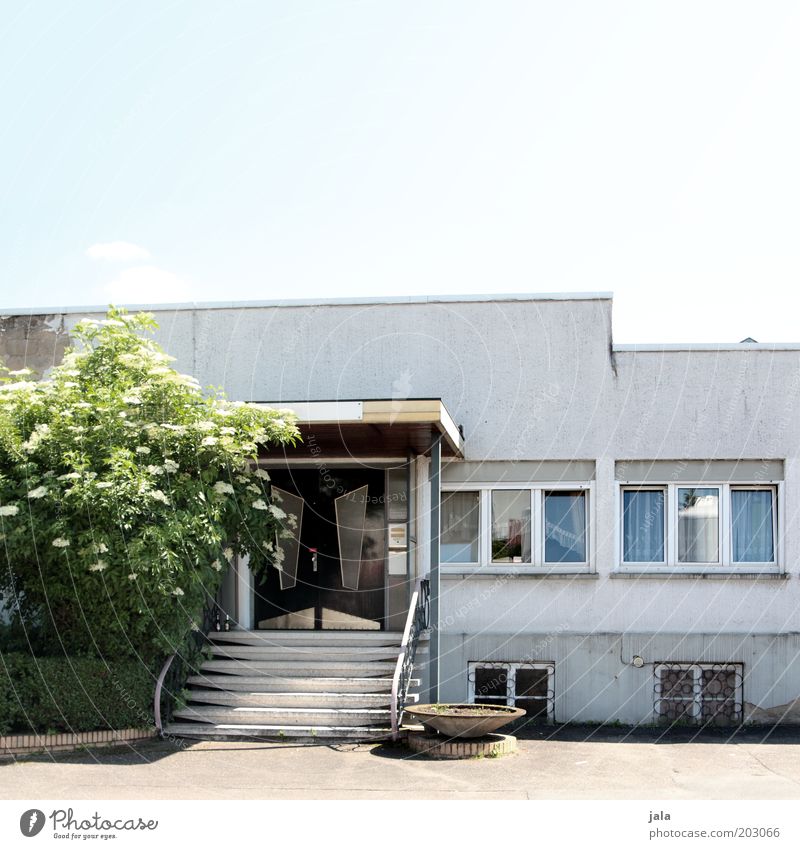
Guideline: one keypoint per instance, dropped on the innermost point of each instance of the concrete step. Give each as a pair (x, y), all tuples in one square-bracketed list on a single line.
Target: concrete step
[(356, 654), (276, 733), (294, 684), (294, 700), (308, 638), (305, 668), (306, 717)]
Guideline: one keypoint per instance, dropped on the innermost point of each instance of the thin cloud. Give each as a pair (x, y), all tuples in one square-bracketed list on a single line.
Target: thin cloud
[(147, 284), (117, 252)]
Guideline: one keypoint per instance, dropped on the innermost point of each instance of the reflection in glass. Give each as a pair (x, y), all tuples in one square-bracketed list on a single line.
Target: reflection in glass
[(511, 526), (351, 511), (698, 524), (287, 543)]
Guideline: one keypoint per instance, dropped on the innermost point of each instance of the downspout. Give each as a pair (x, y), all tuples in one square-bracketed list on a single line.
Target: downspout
[(435, 475)]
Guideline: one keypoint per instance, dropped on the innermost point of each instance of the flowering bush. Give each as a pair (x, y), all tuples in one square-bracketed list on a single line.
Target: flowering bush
[(124, 490)]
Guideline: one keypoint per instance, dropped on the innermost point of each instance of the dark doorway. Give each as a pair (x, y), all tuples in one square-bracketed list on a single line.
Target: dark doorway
[(344, 589)]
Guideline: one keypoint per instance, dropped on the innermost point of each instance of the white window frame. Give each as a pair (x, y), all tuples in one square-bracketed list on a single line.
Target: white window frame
[(510, 668), (538, 566), (697, 697), (671, 564)]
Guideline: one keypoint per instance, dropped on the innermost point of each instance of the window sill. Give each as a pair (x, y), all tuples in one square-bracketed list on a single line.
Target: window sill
[(720, 573), (511, 571)]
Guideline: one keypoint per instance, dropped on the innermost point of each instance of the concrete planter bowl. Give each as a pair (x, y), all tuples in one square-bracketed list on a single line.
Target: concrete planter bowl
[(465, 720)]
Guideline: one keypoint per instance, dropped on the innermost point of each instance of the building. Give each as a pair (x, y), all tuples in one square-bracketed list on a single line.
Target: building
[(609, 531)]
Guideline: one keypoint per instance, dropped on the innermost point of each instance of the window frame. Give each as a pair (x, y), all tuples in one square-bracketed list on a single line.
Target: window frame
[(537, 566), (698, 697), (725, 563), (511, 667)]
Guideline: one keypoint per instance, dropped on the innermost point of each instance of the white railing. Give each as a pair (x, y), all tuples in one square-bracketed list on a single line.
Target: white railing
[(417, 621)]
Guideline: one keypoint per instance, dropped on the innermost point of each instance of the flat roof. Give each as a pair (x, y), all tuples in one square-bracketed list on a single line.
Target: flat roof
[(372, 415), (382, 421), (320, 302), (706, 347)]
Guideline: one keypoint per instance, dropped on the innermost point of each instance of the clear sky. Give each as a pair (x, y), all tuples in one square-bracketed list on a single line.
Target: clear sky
[(172, 151)]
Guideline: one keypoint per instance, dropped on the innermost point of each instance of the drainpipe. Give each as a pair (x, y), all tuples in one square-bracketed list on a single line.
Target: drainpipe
[(436, 474)]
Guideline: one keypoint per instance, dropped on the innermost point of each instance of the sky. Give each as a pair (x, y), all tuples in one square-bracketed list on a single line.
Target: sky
[(214, 151)]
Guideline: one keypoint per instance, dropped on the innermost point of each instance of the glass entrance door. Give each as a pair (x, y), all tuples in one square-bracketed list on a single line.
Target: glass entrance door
[(339, 546)]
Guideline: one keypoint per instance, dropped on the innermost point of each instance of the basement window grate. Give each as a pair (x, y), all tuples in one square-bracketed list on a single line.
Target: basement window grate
[(698, 693), (524, 685)]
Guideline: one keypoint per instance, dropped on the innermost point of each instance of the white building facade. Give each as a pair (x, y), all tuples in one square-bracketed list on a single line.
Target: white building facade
[(617, 532)]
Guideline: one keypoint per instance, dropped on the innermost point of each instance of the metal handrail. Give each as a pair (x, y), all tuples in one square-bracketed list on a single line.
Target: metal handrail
[(417, 620), (198, 637), (157, 694)]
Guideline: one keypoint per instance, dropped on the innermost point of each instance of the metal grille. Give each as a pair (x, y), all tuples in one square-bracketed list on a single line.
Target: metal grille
[(518, 684), (698, 693)]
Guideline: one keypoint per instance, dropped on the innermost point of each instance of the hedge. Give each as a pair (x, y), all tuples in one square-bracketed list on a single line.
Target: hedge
[(73, 694)]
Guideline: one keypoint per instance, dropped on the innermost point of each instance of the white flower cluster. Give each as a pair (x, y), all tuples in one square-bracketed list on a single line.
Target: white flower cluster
[(259, 505), (158, 495), (40, 433), (9, 510), (39, 492), (170, 466), (60, 542), (100, 566), (223, 488)]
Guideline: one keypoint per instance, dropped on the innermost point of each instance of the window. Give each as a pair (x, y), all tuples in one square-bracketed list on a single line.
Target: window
[(459, 527), (523, 685), (511, 526), (697, 527), (698, 524), (497, 527), (564, 527), (699, 693)]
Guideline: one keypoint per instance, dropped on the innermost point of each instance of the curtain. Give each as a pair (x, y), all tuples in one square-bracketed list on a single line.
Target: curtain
[(752, 525), (565, 527), (643, 526)]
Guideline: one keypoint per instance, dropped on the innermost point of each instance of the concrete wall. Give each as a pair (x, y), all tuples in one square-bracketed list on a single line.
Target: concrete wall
[(595, 681), (540, 380)]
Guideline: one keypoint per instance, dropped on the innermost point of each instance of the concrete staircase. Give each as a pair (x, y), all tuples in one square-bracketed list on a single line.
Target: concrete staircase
[(306, 685)]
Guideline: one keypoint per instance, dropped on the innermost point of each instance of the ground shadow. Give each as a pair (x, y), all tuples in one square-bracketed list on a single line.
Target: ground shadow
[(773, 735)]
